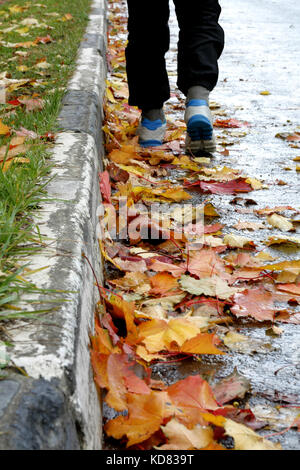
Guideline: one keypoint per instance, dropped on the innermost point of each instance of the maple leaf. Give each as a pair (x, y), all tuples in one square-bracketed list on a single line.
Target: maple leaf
[(12, 152), (233, 386), (213, 286), (102, 342), (206, 263), (105, 186), (162, 283), (249, 226), (246, 439), (159, 335), (125, 154), (131, 281), (119, 379), (124, 310), (181, 438), (227, 123), (292, 241), (138, 265), (145, 416), (193, 392), (160, 266), (229, 187), (203, 343), (256, 303)]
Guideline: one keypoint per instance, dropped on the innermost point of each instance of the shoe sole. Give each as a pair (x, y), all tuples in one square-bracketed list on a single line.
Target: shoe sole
[(150, 143), (199, 128)]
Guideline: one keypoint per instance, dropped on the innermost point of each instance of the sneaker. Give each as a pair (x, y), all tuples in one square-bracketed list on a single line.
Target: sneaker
[(200, 132), (151, 133)]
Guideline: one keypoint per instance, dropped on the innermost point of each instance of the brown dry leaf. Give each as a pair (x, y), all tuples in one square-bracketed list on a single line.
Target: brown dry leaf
[(246, 439), (237, 241), (292, 241), (8, 163), (249, 226), (278, 221), (182, 438), (17, 150), (162, 283), (125, 154), (213, 286), (132, 280), (33, 104)]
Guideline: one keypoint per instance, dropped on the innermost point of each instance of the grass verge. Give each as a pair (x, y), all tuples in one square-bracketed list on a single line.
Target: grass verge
[(38, 47)]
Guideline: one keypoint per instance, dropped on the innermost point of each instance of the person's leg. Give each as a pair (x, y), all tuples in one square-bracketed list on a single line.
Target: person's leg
[(201, 42), (148, 42)]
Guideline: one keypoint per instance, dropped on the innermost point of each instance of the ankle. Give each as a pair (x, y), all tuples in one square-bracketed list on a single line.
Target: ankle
[(153, 114), (197, 93)]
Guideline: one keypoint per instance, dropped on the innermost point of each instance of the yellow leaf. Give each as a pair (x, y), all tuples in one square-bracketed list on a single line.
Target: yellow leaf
[(4, 130), (278, 221), (246, 439), (182, 438)]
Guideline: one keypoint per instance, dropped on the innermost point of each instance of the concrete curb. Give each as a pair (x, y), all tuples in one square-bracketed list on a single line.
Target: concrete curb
[(59, 402)]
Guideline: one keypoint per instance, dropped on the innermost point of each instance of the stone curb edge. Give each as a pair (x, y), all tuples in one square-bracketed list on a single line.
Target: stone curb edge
[(57, 406)]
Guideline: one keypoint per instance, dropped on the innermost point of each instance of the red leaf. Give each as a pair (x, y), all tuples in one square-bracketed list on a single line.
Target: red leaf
[(193, 392), (43, 40), (105, 186), (14, 102), (230, 187), (233, 123)]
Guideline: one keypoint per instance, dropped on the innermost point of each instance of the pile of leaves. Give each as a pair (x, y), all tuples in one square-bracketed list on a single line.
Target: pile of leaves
[(173, 294)]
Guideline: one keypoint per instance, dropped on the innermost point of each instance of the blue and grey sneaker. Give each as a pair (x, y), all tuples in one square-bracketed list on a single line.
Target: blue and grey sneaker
[(200, 131), (151, 133)]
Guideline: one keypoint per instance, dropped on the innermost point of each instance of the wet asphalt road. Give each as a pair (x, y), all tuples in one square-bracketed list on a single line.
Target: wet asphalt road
[(262, 53)]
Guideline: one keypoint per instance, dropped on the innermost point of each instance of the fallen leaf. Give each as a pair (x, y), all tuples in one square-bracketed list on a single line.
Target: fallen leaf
[(212, 286), (145, 416), (4, 130), (181, 438), (256, 303), (246, 439), (232, 387), (278, 221), (245, 344)]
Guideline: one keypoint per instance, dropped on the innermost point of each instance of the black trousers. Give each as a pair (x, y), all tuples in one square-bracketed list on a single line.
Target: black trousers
[(201, 42)]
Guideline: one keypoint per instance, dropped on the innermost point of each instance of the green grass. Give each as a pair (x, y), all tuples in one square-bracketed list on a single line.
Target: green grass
[(23, 186)]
